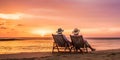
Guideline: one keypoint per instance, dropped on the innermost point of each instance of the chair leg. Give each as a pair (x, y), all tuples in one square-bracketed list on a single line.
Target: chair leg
[(86, 49), (54, 45), (57, 48), (81, 51), (53, 49), (69, 49), (72, 48), (65, 49), (76, 50)]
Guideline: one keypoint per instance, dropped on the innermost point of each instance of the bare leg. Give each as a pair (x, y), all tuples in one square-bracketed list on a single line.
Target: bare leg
[(88, 45)]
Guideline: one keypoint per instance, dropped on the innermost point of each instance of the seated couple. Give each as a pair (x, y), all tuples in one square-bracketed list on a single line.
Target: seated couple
[(75, 32)]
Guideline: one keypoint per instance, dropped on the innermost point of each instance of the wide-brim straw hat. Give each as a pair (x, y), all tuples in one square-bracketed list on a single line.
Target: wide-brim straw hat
[(60, 30), (76, 31)]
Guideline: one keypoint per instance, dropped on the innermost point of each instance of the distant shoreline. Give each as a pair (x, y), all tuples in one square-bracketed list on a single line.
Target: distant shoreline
[(25, 38), (50, 38), (103, 38)]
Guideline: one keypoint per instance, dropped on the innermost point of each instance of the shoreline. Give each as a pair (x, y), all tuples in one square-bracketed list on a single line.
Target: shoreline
[(101, 55), (50, 38)]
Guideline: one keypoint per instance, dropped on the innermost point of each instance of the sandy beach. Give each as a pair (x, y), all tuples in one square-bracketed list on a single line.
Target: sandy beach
[(96, 55), (32, 29)]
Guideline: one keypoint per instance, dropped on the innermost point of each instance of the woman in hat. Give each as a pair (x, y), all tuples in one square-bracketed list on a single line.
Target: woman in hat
[(76, 33), (59, 32)]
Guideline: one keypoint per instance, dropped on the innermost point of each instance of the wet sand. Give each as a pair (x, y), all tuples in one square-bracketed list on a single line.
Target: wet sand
[(96, 55)]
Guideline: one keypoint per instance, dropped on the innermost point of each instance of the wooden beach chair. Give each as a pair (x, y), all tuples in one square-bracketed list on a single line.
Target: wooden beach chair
[(60, 43), (78, 43)]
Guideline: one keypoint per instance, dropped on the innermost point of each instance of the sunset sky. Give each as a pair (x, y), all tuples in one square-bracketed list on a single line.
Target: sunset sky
[(34, 18)]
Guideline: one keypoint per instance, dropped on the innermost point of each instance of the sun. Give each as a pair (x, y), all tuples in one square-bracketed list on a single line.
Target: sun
[(41, 32)]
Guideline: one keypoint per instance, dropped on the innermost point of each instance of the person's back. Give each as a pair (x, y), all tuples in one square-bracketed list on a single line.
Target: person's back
[(59, 32), (75, 32)]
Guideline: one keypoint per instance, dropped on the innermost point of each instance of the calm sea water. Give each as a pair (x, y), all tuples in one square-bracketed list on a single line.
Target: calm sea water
[(18, 46)]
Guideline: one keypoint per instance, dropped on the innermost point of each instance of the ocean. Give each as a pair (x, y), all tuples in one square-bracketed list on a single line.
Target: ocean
[(45, 45)]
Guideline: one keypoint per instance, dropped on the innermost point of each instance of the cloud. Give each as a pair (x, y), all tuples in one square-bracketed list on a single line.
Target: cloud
[(20, 25), (40, 10), (89, 8), (1, 24), (10, 16), (3, 27), (108, 29), (43, 17)]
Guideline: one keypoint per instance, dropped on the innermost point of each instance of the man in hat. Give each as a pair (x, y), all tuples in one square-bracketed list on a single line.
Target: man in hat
[(59, 32), (75, 32)]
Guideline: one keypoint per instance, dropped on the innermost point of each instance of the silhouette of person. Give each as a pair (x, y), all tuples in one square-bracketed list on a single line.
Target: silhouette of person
[(59, 32), (76, 32)]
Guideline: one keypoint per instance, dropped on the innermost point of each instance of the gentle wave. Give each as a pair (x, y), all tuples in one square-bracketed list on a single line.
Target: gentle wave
[(43, 45)]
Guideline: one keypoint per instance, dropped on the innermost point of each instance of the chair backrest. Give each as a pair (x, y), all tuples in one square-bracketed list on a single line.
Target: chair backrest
[(77, 41), (59, 40)]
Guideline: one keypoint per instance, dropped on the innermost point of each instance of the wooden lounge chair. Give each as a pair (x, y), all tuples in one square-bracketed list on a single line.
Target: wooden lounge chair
[(78, 43), (59, 43)]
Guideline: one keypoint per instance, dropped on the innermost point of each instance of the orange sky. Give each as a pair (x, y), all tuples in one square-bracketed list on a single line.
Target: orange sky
[(24, 18)]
